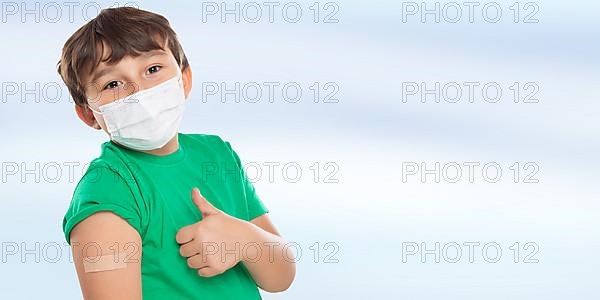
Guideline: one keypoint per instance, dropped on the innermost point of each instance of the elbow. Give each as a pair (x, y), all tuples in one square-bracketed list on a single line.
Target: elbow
[(283, 284), (277, 288)]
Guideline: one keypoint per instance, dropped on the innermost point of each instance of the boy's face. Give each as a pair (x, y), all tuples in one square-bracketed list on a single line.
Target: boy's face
[(111, 82)]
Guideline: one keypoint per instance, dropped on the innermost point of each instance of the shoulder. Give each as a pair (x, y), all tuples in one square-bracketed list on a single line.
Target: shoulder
[(210, 147), (207, 142), (108, 184), (113, 171), (112, 163)]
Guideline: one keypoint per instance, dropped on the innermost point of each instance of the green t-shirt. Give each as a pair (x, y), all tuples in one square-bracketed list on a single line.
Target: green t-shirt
[(153, 194)]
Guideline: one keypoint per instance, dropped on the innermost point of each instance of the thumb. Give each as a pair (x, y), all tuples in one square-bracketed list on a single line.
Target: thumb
[(203, 205)]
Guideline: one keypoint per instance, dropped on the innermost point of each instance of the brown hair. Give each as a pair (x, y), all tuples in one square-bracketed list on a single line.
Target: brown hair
[(126, 31)]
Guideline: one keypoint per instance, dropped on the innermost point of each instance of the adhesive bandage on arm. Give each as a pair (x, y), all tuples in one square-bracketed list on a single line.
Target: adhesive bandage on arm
[(104, 263)]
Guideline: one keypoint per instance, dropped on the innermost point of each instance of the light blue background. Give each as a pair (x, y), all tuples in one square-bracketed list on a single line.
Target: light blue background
[(368, 134)]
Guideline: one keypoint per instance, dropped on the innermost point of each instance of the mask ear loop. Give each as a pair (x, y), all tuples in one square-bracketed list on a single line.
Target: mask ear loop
[(93, 109), (90, 108), (180, 83)]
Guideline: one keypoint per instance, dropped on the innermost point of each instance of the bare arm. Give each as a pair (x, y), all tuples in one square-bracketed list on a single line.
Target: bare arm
[(275, 272), (102, 234)]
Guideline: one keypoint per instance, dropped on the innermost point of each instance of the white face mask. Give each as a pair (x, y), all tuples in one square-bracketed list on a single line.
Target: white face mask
[(148, 119)]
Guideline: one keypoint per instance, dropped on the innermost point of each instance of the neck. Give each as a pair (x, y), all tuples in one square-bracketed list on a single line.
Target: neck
[(167, 149)]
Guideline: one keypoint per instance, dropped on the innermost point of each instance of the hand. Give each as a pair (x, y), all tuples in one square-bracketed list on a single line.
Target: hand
[(214, 244)]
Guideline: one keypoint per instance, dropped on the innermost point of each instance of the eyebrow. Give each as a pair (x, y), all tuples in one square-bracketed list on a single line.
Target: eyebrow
[(154, 53), (108, 69), (101, 73)]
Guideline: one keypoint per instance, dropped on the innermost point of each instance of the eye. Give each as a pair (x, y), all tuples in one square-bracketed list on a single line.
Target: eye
[(153, 69), (113, 84)]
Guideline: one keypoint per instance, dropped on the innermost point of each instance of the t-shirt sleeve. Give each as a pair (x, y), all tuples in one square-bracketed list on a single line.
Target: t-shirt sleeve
[(101, 189), (256, 207)]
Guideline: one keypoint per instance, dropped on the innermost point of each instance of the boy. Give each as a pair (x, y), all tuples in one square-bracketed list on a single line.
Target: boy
[(160, 214)]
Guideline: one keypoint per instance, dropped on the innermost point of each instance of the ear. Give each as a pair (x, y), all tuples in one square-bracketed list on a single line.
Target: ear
[(186, 74), (87, 116)]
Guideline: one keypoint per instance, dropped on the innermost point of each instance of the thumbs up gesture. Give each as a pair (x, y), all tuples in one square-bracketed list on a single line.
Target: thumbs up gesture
[(214, 244)]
